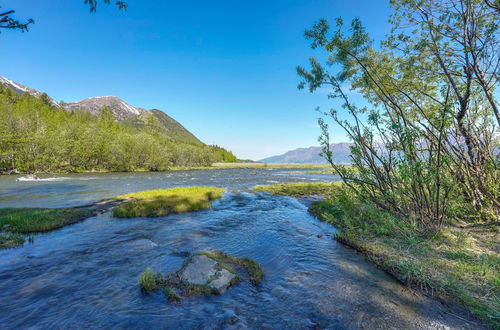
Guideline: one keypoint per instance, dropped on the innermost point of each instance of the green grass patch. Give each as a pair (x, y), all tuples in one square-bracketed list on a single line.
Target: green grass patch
[(457, 264), (171, 295), (155, 203), (28, 220), (147, 281), (329, 171), (10, 240), (301, 188)]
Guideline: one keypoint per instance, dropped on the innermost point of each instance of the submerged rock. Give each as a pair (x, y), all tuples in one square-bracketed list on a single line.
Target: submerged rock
[(204, 273)]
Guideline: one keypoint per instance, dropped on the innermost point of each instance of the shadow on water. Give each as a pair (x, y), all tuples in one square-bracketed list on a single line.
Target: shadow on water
[(85, 275)]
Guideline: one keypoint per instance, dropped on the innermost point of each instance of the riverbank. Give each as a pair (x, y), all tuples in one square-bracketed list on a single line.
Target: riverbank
[(459, 265), (16, 223), (215, 166)]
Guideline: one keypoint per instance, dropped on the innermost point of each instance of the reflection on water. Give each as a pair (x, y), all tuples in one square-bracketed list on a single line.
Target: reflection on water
[(85, 275)]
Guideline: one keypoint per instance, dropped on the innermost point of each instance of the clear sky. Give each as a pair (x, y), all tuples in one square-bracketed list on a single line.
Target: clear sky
[(223, 69)]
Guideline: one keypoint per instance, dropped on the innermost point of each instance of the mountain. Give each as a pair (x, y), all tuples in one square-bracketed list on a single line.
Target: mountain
[(168, 126), (120, 109), (341, 154), (21, 89)]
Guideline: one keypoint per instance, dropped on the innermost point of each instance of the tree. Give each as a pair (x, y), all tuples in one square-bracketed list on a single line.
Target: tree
[(7, 22), (427, 139)]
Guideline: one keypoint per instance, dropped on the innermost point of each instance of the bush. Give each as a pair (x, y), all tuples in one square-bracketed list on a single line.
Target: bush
[(147, 281)]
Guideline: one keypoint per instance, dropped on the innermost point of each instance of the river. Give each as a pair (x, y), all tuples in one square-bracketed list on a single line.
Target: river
[(86, 275)]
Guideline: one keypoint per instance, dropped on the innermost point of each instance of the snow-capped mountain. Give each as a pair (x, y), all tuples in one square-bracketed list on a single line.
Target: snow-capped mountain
[(21, 89), (120, 109)]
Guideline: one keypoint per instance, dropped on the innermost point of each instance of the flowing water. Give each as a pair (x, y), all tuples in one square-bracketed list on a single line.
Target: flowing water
[(85, 275)]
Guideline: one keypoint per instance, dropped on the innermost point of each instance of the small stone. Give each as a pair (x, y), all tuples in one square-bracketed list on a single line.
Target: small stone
[(223, 281)]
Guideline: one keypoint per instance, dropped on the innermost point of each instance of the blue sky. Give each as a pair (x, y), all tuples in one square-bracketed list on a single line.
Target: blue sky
[(224, 69)]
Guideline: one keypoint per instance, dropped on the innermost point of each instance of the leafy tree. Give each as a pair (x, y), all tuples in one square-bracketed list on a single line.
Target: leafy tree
[(36, 136), (7, 22), (427, 140)]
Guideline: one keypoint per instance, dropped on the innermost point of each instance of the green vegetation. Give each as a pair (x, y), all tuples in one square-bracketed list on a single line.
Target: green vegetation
[(24, 221), (455, 263), (10, 240), (155, 203), (147, 281), (422, 146), (301, 188), (175, 289), (163, 124), (462, 265), (7, 22), (422, 197), (254, 270), (37, 137), (171, 295), (38, 220)]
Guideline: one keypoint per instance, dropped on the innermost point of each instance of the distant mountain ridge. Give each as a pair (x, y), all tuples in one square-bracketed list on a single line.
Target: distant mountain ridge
[(341, 153), (121, 111), (21, 89)]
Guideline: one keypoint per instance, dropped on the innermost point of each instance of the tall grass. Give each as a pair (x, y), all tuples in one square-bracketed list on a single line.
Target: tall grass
[(461, 265)]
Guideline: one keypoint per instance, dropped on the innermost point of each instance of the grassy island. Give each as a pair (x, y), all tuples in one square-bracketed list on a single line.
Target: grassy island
[(27, 220), (156, 203), (300, 188)]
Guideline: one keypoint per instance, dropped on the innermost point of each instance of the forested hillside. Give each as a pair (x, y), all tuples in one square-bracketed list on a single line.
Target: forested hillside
[(164, 124), (36, 136)]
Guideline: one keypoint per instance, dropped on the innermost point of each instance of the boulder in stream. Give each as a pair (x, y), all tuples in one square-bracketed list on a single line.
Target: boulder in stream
[(204, 273)]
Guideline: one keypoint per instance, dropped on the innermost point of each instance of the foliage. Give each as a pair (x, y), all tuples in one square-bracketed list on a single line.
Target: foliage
[(223, 155), (171, 295), (458, 264), (10, 240), (427, 140), (28, 220), (147, 281), (93, 4), (7, 22), (155, 203), (158, 122), (35, 136), (301, 188)]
